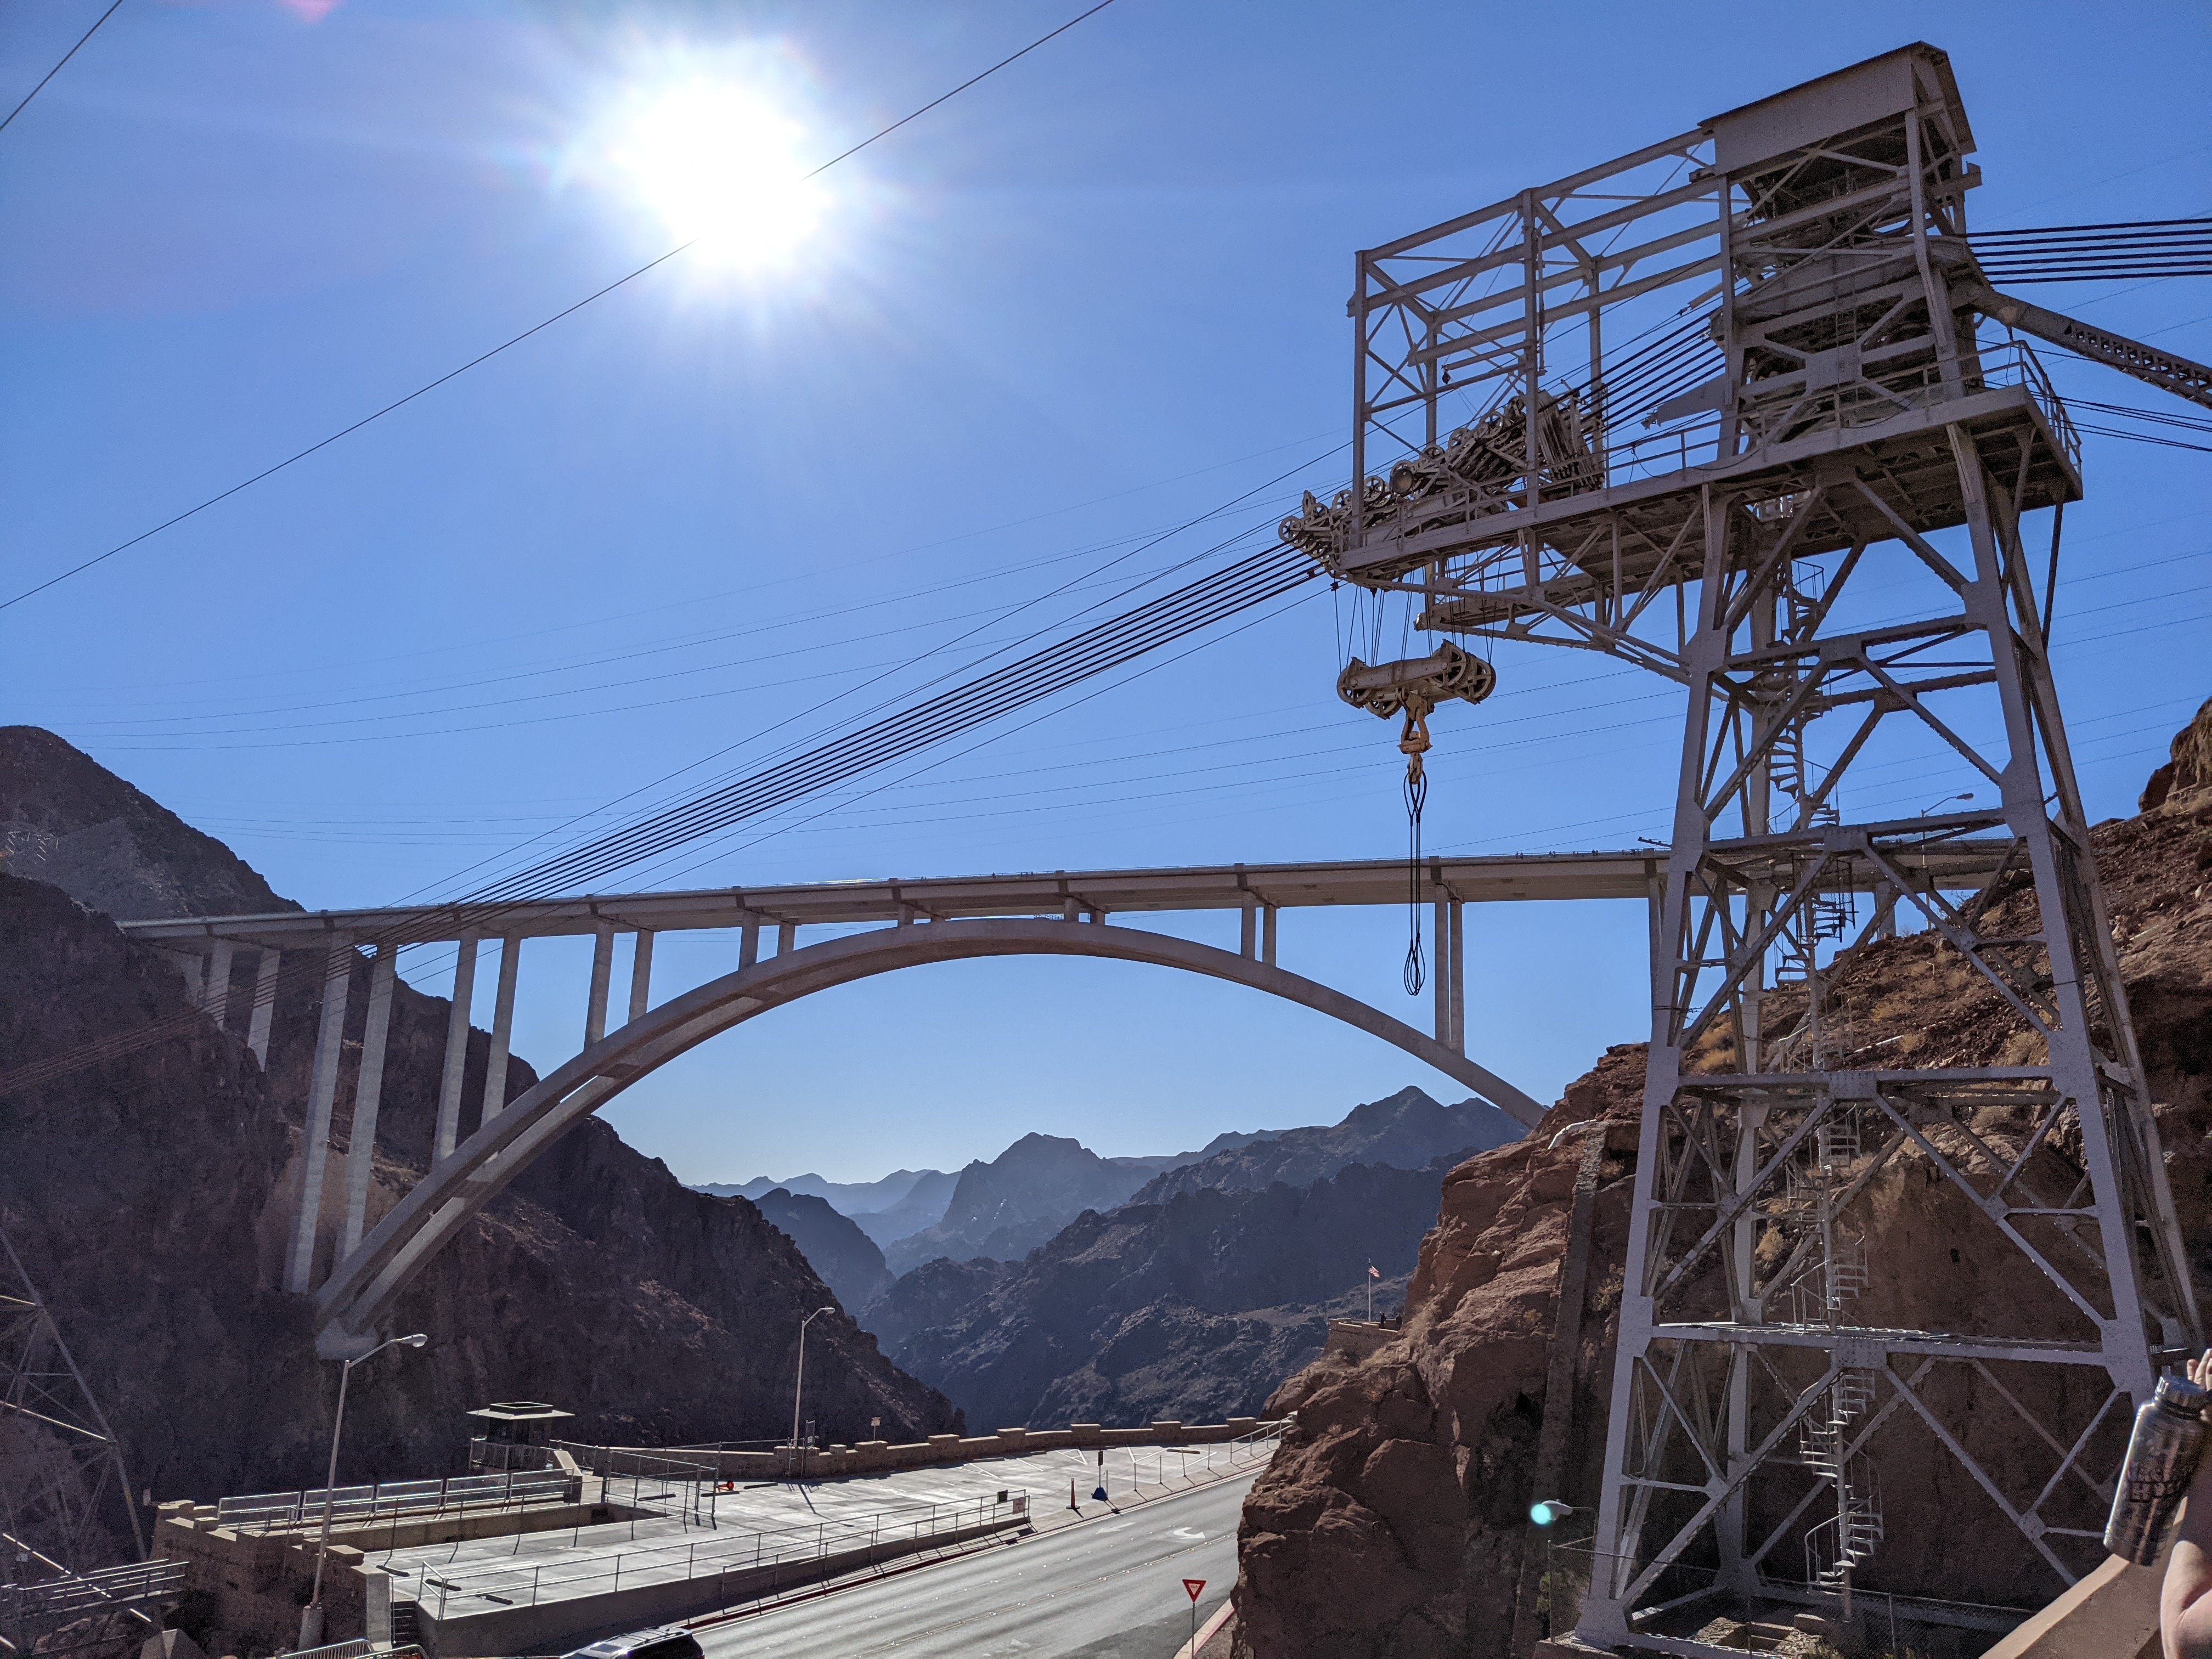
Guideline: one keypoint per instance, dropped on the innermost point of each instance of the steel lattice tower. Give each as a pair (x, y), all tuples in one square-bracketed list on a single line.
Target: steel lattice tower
[(59, 1464), (1772, 401)]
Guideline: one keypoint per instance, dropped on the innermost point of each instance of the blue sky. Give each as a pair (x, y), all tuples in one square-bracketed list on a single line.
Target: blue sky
[(1095, 297)]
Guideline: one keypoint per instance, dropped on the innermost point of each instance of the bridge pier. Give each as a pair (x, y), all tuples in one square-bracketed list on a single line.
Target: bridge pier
[(322, 1091), (603, 974), (641, 971), (368, 1095), (502, 1026), (264, 1005), (216, 997), (457, 1045)]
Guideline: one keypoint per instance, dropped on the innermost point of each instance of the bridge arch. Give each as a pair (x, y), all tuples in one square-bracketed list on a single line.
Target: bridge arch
[(364, 1283)]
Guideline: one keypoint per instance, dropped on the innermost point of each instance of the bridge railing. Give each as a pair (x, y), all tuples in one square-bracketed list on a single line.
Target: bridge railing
[(364, 1506)]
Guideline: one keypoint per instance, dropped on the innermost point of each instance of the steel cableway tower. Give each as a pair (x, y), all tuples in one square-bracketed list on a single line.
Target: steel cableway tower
[(1728, 409)]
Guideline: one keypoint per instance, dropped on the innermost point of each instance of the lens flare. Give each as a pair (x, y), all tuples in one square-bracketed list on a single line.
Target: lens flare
[(722, 167)]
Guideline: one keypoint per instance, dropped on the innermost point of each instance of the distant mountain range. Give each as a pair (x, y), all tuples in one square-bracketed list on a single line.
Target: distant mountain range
[(1403, 1130), (1002, 1209), (1049, 1285), (1196, 1308)]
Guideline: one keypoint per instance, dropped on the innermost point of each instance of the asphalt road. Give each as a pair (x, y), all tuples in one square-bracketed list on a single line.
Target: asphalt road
[(1108, 1589)]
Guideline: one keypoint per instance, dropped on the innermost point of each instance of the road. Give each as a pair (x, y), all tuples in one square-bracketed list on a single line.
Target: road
[(1108, 1589)]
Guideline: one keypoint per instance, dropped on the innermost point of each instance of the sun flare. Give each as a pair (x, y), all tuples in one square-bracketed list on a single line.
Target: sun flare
[(722, 167)]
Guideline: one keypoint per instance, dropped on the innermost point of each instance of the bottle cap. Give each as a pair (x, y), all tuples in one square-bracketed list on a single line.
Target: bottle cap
[(2182, 1395)]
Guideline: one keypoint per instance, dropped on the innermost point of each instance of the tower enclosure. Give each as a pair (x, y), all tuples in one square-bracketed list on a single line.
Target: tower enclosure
[(1726, 409)]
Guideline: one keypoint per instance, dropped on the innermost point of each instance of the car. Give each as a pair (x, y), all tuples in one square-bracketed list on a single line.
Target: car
[(668, 1642)]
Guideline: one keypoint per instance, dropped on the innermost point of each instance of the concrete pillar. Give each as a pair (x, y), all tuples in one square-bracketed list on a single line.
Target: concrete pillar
[(1070, 910), (457, 1045), (217, 999), (322, 1090), (1248, 933), (1440, 969), (749, 943), (265, 1006), (1458, 979), (502, 1027), (368, 1095), (641, 973), (787, 937), (1268, 933), (603, 974)]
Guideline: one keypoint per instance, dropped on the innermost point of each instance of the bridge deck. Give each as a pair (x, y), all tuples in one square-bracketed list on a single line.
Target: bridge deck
[(1500, 878)]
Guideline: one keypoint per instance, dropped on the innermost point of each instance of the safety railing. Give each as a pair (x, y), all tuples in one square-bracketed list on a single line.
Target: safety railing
[(54, 1601), (367, 1505), (447, 1593)]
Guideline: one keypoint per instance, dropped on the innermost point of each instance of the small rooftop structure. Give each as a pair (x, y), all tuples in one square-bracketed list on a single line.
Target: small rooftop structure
[(515, 1435), (519, 1422)]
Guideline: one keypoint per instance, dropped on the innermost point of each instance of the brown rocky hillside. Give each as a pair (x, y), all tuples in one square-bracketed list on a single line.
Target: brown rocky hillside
[(151, 1198), (1394, 1523)]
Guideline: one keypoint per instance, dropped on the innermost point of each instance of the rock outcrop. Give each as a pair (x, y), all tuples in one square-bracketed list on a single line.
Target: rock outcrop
[(1393, 1522)]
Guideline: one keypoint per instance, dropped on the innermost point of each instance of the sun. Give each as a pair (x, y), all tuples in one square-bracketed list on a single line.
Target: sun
[(722, 167)]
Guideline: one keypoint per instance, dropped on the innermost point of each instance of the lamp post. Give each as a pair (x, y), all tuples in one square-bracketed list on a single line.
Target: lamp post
[(798, 1383), (311, 1616)]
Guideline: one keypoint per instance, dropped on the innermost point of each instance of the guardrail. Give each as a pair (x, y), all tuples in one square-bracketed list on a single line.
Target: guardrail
[(707, 1558), (52, 1603), (266, 1511)]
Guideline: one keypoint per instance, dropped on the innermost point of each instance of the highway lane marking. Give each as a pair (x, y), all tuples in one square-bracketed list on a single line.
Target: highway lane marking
[(913, 1636)]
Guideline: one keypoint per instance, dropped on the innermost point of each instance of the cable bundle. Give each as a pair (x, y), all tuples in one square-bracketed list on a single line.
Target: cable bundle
[(2078, 253)]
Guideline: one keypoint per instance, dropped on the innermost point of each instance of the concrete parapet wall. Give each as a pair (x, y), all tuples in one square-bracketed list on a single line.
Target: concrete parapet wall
[(577, 1619), (259, 1581), (871, 1456)]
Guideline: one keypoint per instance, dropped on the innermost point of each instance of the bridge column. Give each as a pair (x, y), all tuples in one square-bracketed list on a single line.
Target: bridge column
[(641, 972), (749, 943), (1458, 1039), (368, 1095), (217, 999), (265, 1006), (1248, 945), (502, 1027), (322, 1090), (457, 1047), (787, 937), (603, 974), (1442, 974), (1268, 933)]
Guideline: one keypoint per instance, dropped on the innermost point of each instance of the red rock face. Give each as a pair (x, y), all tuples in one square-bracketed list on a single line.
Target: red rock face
[(1394, 1520)]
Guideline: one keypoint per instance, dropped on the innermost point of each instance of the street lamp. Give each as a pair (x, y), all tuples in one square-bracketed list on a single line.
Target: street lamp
[(311, 1616), (1946, 801), (798, 1383), (1549, 1513)]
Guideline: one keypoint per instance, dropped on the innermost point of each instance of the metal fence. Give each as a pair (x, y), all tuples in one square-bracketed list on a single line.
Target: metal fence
[(515, 1584), (356, 1505), (49, 1603), (1849, 1624)]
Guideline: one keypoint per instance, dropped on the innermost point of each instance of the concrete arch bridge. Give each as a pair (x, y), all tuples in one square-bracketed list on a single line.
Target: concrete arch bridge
[(915, 922)]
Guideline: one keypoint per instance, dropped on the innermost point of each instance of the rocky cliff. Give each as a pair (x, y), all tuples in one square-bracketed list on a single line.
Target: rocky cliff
[(1405, 1131), (846, 1258), (1192, 1308), (1394, 1521), (151, 1198)]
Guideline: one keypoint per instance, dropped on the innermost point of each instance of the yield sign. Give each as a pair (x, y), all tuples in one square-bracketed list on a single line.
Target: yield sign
[(1192, 1586)]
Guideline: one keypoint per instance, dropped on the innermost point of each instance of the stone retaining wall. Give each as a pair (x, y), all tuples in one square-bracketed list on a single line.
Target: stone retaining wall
[(870, 1456)]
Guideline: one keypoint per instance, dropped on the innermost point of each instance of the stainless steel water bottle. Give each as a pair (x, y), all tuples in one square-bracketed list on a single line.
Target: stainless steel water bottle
[(2162, 1457)]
